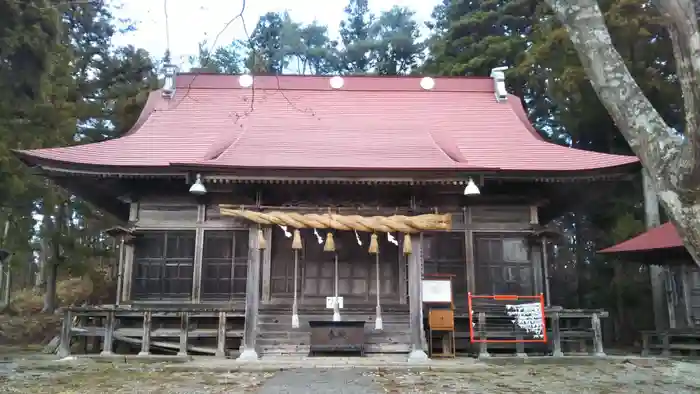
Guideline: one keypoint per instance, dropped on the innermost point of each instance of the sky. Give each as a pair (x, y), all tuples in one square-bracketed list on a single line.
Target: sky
[(190, 22)]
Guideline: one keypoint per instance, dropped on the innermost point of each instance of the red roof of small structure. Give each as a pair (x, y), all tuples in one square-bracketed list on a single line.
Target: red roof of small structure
[(301, 122), (662, 237)]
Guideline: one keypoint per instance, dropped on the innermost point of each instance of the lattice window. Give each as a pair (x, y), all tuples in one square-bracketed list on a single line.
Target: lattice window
[(224, 265), (163, 265), (445, 253), (502, 265)]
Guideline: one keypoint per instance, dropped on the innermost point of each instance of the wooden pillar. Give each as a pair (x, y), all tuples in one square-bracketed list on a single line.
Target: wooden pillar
[(520, 345), (415, 303), (597, 336), (198, 254), (221, 336), (252, 299), (266, 267), (128, 273), (483, 336), (184, 333), (656, 273), (120, 271), (66, 334), (556, 335), (146, 339), (469, 247), (403, 279), (109, 334), (545, 272)]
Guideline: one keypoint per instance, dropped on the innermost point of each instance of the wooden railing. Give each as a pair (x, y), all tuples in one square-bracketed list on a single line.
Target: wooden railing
[(684, 341), (104, 326), (557, 331)]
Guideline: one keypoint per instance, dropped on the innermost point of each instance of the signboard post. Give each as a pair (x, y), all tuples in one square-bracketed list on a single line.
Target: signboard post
[(436, 292)]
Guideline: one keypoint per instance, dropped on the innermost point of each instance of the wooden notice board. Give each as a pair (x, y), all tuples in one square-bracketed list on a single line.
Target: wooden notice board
[(436, 290)]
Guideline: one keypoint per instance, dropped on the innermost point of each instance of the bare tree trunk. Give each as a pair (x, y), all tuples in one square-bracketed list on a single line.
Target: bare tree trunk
[(672, 161), (50, 294), (5, 270), (54, 260)]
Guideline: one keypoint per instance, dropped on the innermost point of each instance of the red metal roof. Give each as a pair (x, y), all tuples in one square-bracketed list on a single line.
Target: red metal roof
[(301, 122), (662, 237)]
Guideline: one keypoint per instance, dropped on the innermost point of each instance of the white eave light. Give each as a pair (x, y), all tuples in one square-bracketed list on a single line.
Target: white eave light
[(472, 189), (197, 187), (245, 81), (337, 82), (427, 83)]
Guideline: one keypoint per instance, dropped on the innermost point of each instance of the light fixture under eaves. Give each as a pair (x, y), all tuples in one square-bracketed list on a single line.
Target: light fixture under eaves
[(197, 187), (472, 189)]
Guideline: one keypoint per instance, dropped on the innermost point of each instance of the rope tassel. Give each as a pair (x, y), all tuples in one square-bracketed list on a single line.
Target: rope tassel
[(374, 244), (330, 243), (296, 241), (407, 246), (296, 246), (262, 244)]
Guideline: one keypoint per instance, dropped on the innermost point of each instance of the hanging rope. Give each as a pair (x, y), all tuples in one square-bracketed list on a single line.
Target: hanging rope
[(372, 224), (296, 245), (374, 249)]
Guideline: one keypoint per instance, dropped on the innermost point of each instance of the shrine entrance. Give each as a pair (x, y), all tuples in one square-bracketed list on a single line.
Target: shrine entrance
[(357, 273)]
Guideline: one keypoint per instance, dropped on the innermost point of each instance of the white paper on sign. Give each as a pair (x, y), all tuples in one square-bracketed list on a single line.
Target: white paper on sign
[(330, 300), (528, 317), (436, 290)]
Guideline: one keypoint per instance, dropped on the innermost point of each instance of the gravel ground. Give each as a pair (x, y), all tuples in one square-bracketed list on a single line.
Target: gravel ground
[(602, 377), (598, 377)]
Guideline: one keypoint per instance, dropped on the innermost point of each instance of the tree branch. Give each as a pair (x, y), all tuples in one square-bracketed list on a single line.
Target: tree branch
[(682, 23), (655, 143)]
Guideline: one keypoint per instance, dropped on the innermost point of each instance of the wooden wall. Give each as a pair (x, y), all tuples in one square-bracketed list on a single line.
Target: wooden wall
[(473, 223)]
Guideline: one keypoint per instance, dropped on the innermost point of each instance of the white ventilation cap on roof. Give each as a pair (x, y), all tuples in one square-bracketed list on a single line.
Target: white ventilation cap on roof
[(499, 83), (169, 71), (427, 83), (337, 82), (245, 81)]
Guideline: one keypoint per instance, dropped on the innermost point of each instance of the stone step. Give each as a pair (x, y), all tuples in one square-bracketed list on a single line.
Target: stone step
[(284, 349), (283, 342), (303, 319), (283, 335), (388, 348), (278, 330)]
